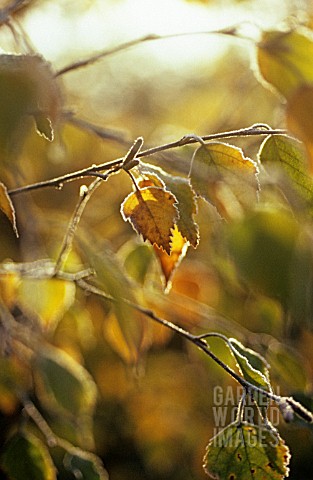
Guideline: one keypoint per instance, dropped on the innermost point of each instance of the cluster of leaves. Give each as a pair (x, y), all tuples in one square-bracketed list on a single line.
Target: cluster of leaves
[(264, 208)]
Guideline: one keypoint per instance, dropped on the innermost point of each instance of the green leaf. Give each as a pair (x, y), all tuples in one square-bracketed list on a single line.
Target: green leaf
[(244, 451), (254, 369), (137, 258), (84, 465), (285, 60), (63, 386), (224, 177), (26, 457), (285, 153)]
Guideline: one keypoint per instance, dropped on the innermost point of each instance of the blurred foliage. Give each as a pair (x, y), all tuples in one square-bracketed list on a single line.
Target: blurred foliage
[(101, 375)]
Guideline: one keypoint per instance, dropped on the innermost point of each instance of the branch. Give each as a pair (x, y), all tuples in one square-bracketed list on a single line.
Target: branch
[(116, 165), (229, 31), (5, 13), (199, 341)]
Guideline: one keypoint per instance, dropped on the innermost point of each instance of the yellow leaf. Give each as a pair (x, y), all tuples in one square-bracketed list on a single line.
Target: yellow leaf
[(152, 213), (6, 206), (285, 60), (170, 262), (300, 117)]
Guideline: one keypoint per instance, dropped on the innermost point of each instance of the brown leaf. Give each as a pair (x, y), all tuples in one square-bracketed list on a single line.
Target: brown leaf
[(300, 117), (152, 213), (169, 262), (7, 207)]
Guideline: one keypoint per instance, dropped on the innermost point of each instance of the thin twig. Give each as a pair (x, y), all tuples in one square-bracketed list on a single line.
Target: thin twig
[(116, 165), (202, 345), (229, 31), (85, 194)]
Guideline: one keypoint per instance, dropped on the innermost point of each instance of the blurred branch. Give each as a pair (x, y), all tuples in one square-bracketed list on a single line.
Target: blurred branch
[(285, 403), (229, 31), (116, 165), (7, 12)]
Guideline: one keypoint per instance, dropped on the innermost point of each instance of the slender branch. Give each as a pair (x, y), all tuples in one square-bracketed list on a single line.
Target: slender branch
[(5, 13), (229, 31), (202, 345), (85, 194), (115, 165)]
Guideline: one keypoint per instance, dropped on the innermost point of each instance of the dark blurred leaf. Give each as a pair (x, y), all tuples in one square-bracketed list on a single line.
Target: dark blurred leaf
[(27, 88), (26, 457), (7, 206), (63, 385), (137, 260), (285, 60), (263, 246), (244, 451), (85, 465), (224, 177)]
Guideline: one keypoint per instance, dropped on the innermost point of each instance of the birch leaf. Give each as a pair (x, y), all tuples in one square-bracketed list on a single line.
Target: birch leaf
[(169, 262), (244, 451), (285, 60), (6, 206), (152, 213), (224, 177)]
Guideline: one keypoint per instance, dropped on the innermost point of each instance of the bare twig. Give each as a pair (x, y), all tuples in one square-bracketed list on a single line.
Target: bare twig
[(229, 31), (117, 164)]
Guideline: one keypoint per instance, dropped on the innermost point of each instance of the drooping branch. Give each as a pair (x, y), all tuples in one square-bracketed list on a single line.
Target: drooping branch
[(115, 165)]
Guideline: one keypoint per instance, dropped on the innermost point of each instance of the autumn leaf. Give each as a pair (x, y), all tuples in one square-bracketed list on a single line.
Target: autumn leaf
[(6, 206), (152, 213), (242, 451), (169, 262), (285, 60), (224, 177), (186, 201)]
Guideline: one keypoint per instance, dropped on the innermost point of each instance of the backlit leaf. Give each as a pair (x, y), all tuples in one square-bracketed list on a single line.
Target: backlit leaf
[(254, 369), (186, 201), (63, 385), (152, 213), (6, 206), (25, 456), (285, 60), (300, 118), (170, 262), (48, 299), (224, 177), (244, 451), (284, 152)]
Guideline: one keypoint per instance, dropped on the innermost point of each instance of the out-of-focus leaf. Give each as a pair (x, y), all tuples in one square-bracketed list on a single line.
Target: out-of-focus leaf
[(27, 88), (244, 451), (25, 456), (137, 259), (84, 465), (286, 153), (63, 385), (169, 262), (152, 213), (300, 117), (285, 60), (263, 246), (128, 325), (6, 206), (48, 299), (254, 368), (284, 360), (224, 177), (186, 201), (44, 127)]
